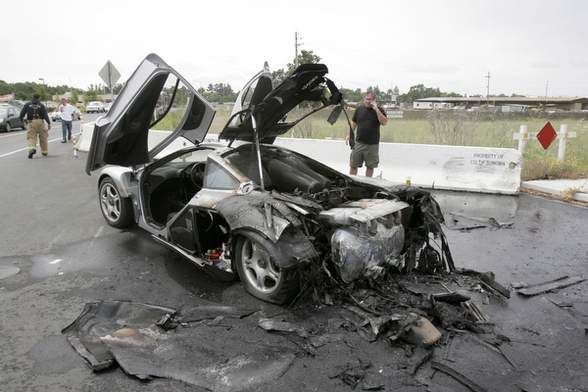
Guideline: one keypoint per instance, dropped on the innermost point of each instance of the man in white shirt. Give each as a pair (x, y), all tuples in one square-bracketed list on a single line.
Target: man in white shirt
[(67, 114)]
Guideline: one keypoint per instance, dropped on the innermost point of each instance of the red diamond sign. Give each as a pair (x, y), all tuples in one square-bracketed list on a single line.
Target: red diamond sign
[(546, 135)]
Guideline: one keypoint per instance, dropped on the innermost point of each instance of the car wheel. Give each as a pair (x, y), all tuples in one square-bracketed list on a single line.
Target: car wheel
[(254, 261), (117, 210), (8, 127)]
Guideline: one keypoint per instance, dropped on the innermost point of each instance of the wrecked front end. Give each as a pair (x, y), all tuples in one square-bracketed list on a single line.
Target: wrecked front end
[(353, 230), (386, 229)]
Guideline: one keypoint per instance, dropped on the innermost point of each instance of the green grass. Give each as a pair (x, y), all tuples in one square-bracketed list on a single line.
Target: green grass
[(538, 163)]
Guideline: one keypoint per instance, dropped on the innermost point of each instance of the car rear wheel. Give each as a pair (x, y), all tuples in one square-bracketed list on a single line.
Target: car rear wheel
[(117, 210), (255, 264), (8, 127)]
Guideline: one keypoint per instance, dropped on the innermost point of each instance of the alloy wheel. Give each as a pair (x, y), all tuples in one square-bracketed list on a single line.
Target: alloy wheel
[(110, 202), (259, 270)]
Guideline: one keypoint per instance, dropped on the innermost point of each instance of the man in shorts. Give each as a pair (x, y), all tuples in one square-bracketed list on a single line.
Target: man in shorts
[(366, 121)]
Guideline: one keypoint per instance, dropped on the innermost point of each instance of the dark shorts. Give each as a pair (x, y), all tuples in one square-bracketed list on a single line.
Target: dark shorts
[(368, 153)]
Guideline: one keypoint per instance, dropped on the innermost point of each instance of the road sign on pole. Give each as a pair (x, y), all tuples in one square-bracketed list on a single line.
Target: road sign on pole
[(109, 75)]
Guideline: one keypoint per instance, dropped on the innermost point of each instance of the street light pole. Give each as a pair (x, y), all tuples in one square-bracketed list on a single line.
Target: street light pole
[(42, 80)]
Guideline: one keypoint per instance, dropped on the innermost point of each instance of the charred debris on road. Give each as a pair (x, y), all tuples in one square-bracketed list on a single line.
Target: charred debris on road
[(418, 309), (417, 313)]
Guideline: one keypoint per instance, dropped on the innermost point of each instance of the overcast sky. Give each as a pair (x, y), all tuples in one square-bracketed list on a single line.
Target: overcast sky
[(445, 44)]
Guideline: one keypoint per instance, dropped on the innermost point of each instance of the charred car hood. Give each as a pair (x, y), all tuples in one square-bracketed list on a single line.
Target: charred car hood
[(270, 105)]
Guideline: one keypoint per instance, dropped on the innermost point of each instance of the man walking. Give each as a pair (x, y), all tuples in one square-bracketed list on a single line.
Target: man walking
[(367, 120), (36, 114), (67, 112)]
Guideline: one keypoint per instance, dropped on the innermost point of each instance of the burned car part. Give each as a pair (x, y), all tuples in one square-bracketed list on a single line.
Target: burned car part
[(134, 336), (254, 210)]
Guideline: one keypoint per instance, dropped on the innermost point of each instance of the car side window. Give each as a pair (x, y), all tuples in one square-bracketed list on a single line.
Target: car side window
[(218, 178)]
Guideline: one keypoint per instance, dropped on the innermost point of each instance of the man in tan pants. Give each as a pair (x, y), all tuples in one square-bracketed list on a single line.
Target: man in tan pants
[(36, 115)]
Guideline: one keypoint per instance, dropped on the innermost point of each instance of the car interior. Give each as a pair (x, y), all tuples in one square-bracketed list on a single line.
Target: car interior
[(168, 187)]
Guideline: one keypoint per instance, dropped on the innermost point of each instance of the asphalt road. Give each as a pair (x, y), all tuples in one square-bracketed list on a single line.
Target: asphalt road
[(14, 142), (52, 232)]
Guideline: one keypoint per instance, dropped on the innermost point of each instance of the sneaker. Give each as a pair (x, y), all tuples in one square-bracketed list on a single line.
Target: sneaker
[(64, 141), (44, 154), (32, 152)]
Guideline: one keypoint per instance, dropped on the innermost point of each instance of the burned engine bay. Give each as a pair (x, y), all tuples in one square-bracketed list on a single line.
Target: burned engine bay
[(313, 215), (308, 210)]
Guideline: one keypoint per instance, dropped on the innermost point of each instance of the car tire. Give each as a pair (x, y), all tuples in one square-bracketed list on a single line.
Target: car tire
[(8, 127), (254, 261), (116, 210)]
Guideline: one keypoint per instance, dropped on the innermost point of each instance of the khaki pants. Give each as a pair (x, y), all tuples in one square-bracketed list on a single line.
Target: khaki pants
[(368, 153), (36, 129)]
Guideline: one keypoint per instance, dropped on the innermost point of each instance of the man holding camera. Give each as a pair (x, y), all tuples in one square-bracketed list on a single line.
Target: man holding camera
[(366, 121)]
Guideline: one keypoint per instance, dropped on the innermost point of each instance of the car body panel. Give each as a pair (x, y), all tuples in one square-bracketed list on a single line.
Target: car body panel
[(10, 115), (270, 105), (206, 201), (95, 107), (122, 177), (120, 136)]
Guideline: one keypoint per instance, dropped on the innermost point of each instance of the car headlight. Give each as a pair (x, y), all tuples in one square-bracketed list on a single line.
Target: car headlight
[(1, 120)]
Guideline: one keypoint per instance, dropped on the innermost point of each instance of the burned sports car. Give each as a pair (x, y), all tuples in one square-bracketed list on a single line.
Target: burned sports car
[(240, 207)]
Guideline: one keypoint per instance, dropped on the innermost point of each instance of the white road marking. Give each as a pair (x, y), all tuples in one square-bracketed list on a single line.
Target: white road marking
[(13, 134), (26, 148), (98, 234), (56, 261), (54, 240)]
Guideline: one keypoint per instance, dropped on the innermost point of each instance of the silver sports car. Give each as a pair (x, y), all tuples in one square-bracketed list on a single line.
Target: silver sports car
[(244, 208)]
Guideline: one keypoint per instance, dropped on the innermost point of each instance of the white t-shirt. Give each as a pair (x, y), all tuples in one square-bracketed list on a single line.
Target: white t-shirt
[(67, 111)]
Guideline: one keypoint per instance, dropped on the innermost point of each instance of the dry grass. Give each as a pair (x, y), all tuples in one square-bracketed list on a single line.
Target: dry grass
[(456, 129)]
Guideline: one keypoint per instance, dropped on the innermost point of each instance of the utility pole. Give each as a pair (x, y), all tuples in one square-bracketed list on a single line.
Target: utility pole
[(546, 88), (488, 88), (297, 44)]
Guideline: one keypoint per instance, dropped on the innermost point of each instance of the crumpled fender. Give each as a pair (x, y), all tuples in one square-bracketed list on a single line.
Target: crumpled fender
[(260, 212), (293, 247)]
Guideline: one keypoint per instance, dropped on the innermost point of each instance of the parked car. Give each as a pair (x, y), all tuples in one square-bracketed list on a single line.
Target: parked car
[(246, 208), (56, 115), (95, 107), (9, 118)]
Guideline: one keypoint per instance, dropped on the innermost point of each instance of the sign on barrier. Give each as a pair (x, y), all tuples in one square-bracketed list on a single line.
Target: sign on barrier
[(475, 169)]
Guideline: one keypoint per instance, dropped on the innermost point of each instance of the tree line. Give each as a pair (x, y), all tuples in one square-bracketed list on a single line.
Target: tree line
[(223, 92)]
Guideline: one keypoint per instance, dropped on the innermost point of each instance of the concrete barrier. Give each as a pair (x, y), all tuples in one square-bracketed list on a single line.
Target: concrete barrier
[(475, 169), (155, 137), (83, 143)]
